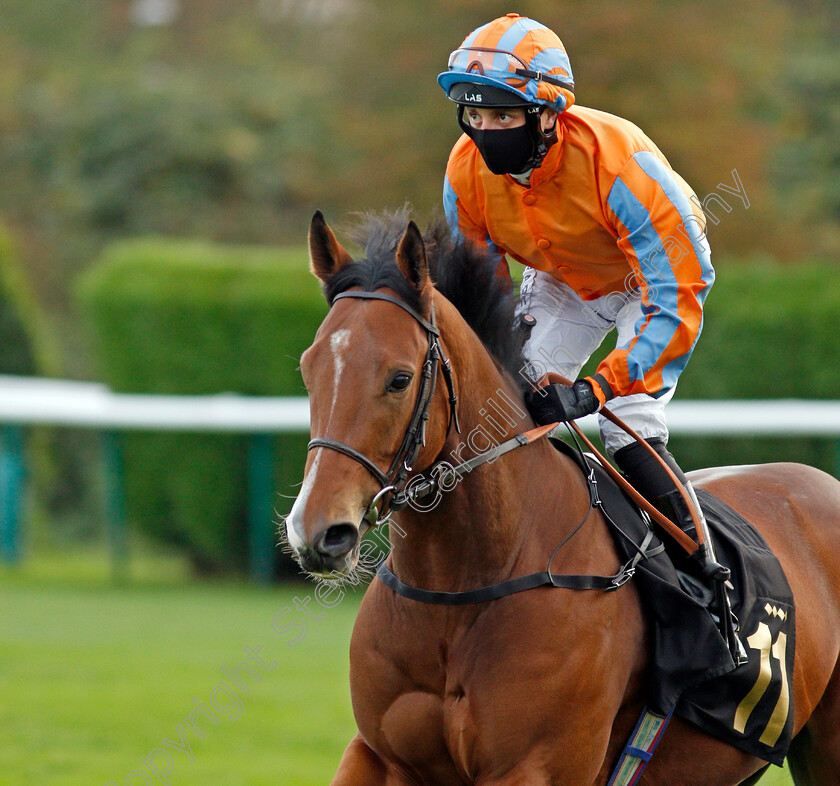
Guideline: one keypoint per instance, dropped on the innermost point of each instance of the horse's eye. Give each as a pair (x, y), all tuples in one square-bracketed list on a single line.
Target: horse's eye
[(398, 383)]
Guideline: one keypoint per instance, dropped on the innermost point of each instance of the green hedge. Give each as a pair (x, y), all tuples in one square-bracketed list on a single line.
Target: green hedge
[(198, 318), (770, 332), (177, 317)]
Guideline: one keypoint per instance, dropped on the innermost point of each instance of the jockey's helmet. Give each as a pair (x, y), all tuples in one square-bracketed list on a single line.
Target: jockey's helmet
[(512, 61), (512, 57)]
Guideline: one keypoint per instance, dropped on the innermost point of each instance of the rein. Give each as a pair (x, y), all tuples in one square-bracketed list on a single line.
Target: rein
[(436, 483), (643, 504), (442, 474)]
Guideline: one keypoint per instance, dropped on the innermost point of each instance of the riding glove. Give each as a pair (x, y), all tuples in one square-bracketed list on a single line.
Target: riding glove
[(558, 402)]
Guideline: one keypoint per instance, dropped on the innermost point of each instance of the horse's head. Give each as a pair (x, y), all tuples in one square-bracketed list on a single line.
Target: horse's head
[(370, 374)]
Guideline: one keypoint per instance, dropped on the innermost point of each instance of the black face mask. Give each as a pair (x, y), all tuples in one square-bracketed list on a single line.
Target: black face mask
[(506, 151)]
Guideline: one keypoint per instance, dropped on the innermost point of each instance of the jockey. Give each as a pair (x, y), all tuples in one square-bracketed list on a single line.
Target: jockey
[(611, 236)]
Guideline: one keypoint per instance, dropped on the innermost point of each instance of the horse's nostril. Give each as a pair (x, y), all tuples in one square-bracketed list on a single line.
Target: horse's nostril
[(337, 540)]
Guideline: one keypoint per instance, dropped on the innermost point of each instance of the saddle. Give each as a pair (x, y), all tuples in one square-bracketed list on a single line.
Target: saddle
[(692, 672)]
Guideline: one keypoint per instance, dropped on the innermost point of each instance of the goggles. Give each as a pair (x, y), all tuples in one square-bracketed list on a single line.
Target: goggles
[(498, 64)]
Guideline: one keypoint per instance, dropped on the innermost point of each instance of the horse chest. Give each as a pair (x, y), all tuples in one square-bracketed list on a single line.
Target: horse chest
[(454, 706), (433, 725)]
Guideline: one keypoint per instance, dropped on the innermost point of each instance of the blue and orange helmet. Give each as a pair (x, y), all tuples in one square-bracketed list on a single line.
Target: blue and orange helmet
[(510, 61)]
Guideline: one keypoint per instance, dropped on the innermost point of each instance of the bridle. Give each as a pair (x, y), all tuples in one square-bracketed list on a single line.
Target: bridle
[(392, 483), (394, 495), (395, 491)]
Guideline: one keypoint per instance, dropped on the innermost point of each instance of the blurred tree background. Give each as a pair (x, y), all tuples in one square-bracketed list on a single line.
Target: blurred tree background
[(232, 122)]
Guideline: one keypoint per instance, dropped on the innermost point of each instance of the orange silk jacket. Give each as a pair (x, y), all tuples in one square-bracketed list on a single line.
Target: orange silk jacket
[(604, 213)]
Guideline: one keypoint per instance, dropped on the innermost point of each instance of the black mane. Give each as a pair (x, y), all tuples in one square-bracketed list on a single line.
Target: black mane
[(463, 274)]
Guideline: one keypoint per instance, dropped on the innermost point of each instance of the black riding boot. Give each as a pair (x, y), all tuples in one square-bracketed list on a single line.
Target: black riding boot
[(645, 472), (650, 479), (700, 575)]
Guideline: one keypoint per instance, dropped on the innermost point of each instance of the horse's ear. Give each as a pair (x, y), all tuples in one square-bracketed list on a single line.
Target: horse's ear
[(411, 257), (325, 253)]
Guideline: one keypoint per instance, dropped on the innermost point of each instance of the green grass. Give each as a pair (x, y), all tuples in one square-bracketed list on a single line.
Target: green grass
[(776, 777), (93, 677)]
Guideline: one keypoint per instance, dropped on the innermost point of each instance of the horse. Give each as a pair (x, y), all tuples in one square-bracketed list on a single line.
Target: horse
[(537, 687)]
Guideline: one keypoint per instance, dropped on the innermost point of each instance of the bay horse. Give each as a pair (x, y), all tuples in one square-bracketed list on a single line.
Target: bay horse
[(539, 687)]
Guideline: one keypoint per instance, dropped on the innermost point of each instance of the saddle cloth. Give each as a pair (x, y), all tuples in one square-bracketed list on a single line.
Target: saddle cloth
[(751, 706)]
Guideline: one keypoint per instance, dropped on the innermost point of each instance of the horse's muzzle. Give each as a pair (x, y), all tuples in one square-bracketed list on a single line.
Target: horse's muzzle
[(329, 550)]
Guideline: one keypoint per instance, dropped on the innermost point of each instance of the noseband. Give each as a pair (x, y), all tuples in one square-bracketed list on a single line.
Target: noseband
[(392, 483)]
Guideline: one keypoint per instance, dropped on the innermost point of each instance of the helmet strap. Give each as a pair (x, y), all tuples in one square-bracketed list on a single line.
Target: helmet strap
[(543, 140)]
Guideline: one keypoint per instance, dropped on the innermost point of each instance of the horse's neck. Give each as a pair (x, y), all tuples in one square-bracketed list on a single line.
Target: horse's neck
[(488, 525)]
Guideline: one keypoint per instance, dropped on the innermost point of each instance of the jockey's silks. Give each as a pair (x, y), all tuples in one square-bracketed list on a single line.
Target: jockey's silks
[(604, 213)]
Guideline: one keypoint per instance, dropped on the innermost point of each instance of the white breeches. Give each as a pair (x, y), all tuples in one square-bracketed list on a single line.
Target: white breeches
[(569, 330)]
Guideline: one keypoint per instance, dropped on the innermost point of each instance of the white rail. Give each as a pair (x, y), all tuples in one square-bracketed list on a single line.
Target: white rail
[(26, 401), (39, 401), (90, 405)]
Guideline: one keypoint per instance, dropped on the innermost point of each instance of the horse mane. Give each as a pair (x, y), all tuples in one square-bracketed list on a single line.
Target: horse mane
[(464, 274), (379, 235)]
